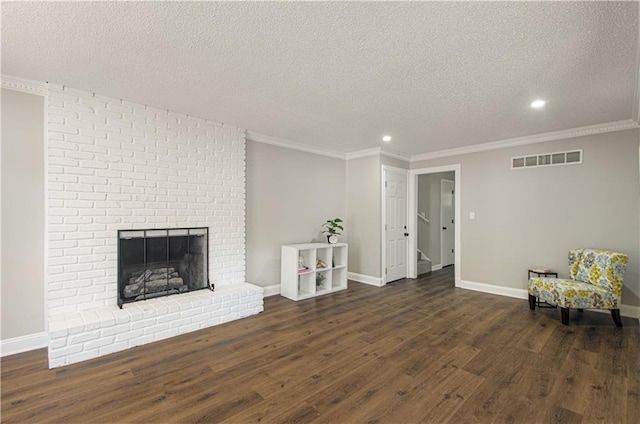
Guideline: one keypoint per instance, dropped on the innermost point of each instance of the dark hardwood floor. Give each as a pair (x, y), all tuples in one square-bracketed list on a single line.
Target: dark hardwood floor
[(413, 351)]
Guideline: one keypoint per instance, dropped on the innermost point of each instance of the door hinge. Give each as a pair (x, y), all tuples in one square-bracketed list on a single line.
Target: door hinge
[(452, 221), (451, 250), (452, 191)]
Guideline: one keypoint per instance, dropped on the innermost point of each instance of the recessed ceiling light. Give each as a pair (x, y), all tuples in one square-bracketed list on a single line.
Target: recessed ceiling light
[(386, 138), (537, 104)]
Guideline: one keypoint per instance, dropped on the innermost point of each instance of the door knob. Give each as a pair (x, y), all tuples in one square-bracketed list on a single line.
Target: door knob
[(444, 228), (406, 234)]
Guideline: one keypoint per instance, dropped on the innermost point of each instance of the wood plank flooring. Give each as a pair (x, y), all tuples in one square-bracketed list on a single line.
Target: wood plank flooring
[(411, 352)]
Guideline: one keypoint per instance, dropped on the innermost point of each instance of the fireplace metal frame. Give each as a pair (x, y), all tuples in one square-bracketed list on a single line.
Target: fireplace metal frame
[(121, 299)]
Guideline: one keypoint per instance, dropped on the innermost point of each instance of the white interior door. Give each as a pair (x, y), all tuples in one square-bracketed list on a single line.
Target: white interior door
[(396, 225), (447, 213)]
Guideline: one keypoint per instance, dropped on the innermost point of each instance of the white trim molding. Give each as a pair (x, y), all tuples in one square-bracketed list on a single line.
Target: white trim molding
[(26, 86), (273, 290), (366, 279), (364, 153), (437, 267), (23, 343), (395, 156), (288, 144), (625, 310), (628, 311), (375, 152), (493, 289), (627, 124)]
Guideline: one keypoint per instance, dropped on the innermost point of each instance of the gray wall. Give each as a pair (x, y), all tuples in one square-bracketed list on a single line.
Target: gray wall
[(534, 216), (523, 217), (363, 215), (429, 202), (22, 214), (290, 194)]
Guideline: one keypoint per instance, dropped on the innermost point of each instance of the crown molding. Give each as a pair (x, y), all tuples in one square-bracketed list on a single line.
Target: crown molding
[(26, 86), (375, 151), (627, 124), (288, 144), (279, 142), (395, 156), (41, 88)]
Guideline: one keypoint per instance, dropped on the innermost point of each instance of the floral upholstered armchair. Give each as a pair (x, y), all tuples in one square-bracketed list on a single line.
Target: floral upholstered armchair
[(596, 283)]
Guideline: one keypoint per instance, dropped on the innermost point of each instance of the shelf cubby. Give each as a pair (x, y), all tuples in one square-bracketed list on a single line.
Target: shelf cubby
[(339, 275)]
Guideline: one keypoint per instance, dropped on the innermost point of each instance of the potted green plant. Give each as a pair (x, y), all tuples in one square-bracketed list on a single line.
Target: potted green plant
[(332, 229)]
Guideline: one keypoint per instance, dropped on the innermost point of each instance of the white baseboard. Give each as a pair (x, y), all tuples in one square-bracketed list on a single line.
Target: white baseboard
[(23, 343), (436, 267), (625, 310), (273, 290), (366, 279), (630, 311), (492, 289)]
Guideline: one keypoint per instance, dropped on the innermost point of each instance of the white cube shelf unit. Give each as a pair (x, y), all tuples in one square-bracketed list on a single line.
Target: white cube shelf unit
[(297, 284)]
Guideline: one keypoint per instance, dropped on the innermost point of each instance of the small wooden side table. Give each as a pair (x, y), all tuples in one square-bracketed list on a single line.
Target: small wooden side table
[(542, 273)]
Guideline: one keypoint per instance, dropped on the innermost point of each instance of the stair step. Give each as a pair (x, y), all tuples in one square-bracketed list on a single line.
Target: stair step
[(424, 266)]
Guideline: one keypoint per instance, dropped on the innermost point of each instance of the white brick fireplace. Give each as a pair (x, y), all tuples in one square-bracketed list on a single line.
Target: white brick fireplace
[(115, 165)]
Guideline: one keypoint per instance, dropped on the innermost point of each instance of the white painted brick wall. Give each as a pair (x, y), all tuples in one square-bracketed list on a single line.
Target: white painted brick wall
[(116, 165)]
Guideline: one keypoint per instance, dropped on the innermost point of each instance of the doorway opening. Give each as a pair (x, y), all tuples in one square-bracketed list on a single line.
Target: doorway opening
[(434, 220)]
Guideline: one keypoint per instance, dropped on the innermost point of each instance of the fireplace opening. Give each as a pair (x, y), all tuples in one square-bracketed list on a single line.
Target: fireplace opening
[(153, 263)]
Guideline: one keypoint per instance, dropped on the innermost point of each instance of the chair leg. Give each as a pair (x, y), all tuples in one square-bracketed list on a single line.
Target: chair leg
[(532, 302), (615, 314), (564, 313)]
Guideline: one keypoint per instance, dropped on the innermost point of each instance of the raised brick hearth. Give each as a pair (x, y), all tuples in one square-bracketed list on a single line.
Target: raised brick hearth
[(88, 334)]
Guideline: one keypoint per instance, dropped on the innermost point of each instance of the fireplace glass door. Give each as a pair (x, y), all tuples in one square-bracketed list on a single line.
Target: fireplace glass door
[(161, 262)]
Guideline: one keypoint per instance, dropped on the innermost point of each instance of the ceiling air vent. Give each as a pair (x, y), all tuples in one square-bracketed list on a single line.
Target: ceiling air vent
[(547, 159)]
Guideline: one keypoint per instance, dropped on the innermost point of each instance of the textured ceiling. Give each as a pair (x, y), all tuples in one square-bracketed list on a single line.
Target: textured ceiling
[(340, 75)]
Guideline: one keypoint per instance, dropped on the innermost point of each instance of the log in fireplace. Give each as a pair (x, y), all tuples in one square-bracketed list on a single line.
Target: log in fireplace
[(161, 262)]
